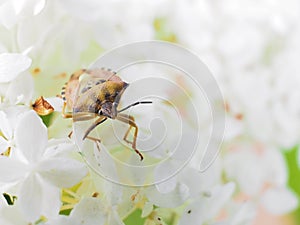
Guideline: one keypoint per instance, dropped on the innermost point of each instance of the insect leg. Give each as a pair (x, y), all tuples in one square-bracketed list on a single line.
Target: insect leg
[(79, 116), (96, 140), (126, 135), (95, 124), (64, 113), (130, 120), (70, 134), (82, 116)]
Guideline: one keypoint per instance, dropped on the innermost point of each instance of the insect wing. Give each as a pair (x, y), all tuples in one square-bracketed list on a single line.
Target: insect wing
[(87, 95), (88, 82)]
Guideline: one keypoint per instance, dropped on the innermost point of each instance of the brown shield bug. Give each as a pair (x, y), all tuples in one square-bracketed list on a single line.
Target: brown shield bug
[(98, 98)]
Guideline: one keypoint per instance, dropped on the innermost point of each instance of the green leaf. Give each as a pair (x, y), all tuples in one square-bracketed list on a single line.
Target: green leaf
[(291, 157), (65, 212), (135, 218), (47, 119)]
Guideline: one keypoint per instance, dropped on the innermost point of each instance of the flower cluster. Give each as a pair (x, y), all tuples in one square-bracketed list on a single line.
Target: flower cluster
[(252, 50)]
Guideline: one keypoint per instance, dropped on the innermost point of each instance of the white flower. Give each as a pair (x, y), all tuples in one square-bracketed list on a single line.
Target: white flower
[(9, 118), (20, 90), (39, 172), (260, 173), (206, 208), (12, 215), (182, 189), (258, 51), (267, 113), (6, 141), (134, 25), (103, 209), (279, 201), (241, 213), (89, 211), (11, 12), (187, 184), (16, 85), (11, 65), (5, 129), (171, 199)]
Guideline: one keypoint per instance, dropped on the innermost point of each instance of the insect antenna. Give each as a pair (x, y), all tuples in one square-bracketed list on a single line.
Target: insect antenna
[(134, 104)]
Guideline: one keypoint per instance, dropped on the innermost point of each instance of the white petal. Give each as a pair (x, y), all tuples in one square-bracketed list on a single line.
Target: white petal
[(56, 103), (147, 209), (274, 166), (199, 182), (62, 172), (233, 128), (13, 114), (18, 5), (5, 126), (31, 136), (89, 211), (168, 185), (3, 88), (61, 220), (245, 167), (205, 208), (103, 158), (279, 201), (165, 171), (8, 18), (27, 8), (221, 223), (244, 213), (220, 195), (11, 215), (172, 199), (114, 219), (90, 9), (21, 89), (3, 145), (30, 198), (3, 48), (39, 6), (11, 65), (62, 147), (50, 194), (193, 213), (11, 170), (113, 192)]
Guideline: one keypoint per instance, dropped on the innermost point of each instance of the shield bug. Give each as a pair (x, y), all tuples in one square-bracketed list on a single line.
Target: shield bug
[(98, 97)]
